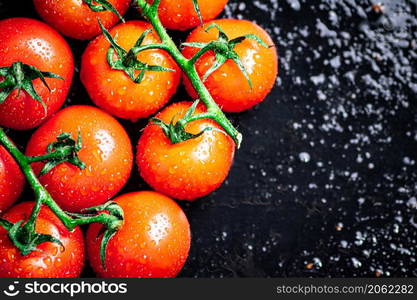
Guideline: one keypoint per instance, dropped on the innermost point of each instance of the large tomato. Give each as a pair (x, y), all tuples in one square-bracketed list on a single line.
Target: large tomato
[(34, 43), (74, 18), (11, 180), (153, 242), (113, 90), (190, 169), (228, 86), (106, 151), (181, 15), (52, 260)]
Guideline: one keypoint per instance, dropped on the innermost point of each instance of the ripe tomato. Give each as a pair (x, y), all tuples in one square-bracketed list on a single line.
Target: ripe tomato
[(116, 92), (36, 44), (228, 86), (181, 15), (11, 180), (190, 169), (106, 151), (53, 260), (153, 242), (75, 19)]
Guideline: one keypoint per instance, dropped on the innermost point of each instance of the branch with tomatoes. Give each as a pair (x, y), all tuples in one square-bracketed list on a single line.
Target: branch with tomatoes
[(23, 233), (81, 157)]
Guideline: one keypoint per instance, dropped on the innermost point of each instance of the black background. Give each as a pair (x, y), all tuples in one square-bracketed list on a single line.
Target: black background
[(324, 184)]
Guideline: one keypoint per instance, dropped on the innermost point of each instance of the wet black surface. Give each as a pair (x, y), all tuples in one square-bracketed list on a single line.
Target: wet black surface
[(325, 182)]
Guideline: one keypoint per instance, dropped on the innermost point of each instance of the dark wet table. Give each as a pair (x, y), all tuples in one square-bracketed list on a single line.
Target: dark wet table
[(325, 182)]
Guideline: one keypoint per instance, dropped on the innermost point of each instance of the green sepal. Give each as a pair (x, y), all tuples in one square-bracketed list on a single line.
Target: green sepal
[(127, 61), (222, 35), (191, 110), (103, 5), (69, 149), (108, 230), (108, 234), (197, 10), (6, 224), (220, 60), (20, 76), (224, 49), (254, 37), (176, 132), (26, 241)]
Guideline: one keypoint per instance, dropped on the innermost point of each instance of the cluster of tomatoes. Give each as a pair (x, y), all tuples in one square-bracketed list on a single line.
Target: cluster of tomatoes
[(155, 238)]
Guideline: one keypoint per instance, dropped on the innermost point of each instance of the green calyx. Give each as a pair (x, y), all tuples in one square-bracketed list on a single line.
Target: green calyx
[(112, 222), (20, 76), (150, 12), (176, 132), (103, 5), (64, 149), (25, 239), (224, 49), (127, 61)]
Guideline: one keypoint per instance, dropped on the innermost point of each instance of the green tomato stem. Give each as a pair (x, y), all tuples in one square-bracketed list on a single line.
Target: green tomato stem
[(115, 221), (188, 67), (41, 194)]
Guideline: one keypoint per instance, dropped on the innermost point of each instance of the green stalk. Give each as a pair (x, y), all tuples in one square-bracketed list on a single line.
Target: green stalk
[(188, 67), (41, 194), (26, 238)]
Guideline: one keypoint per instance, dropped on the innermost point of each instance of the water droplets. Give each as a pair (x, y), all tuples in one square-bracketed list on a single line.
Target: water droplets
[(304, 157), (159, 227)]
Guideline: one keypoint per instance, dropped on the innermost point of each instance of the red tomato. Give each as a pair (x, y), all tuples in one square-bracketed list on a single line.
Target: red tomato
[(181, 15), (116, 92), (36, 44), (106, 151), (190, 169), (153, 242), (53, 260), (74, 18), (11, 180), (228, 86)]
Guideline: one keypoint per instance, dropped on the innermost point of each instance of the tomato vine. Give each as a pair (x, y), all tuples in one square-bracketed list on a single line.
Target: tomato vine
[(150, 12), (23, 233)]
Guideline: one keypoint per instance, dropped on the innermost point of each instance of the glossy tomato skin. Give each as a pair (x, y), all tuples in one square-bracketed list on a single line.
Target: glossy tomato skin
[(227, 85), (52, 261), (181, 15), (73, 18), (113, 90), (106, 151), (153, 242), (190, 169), (11, 180), (34, 43)]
